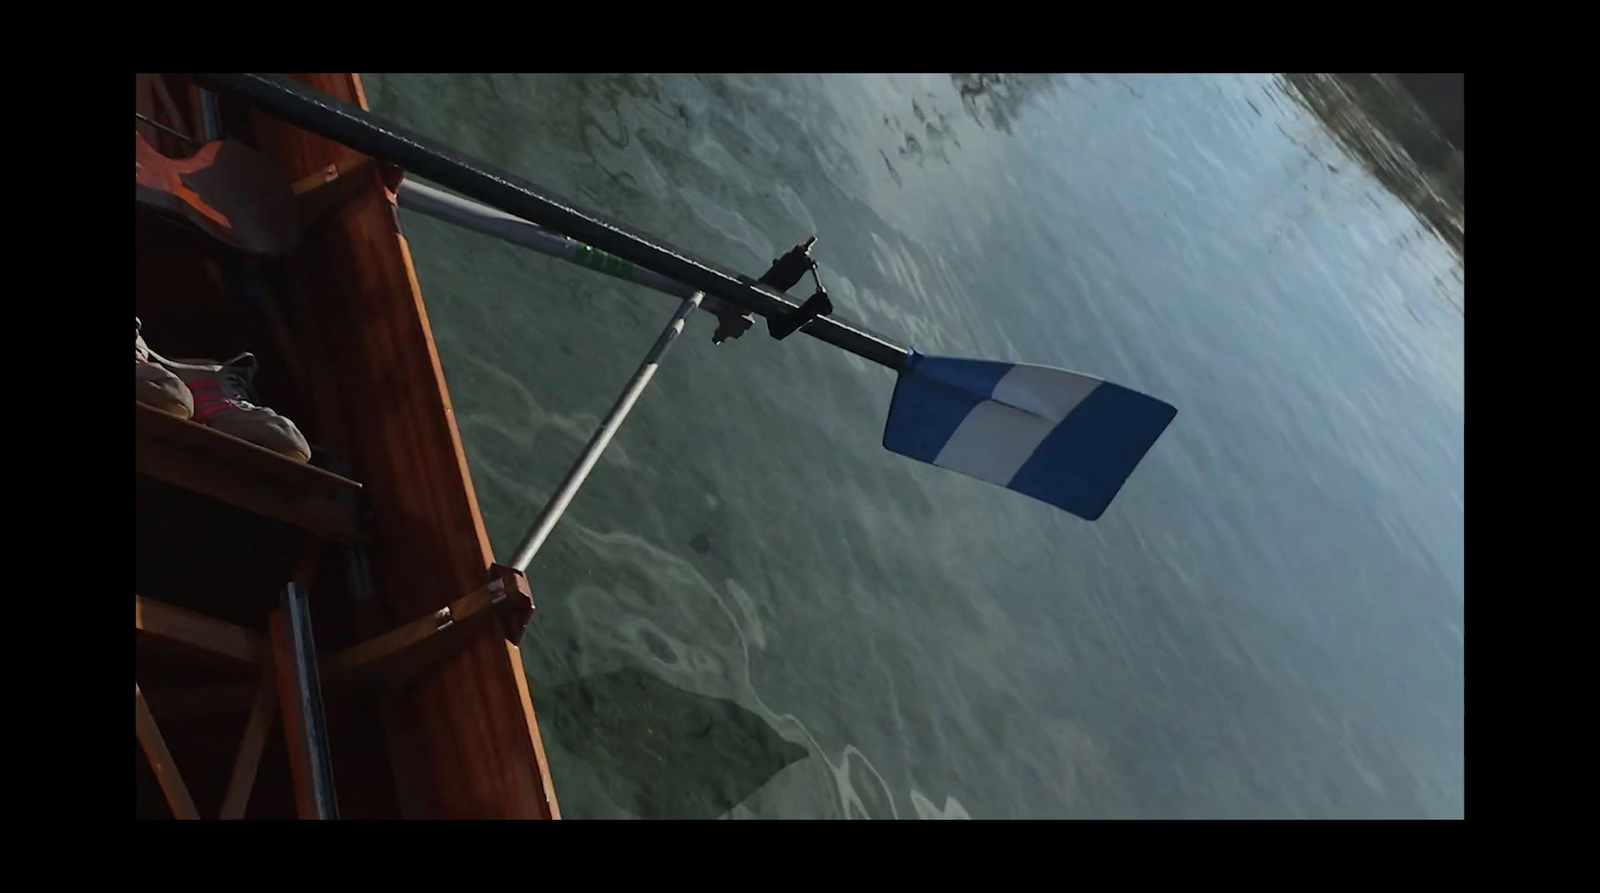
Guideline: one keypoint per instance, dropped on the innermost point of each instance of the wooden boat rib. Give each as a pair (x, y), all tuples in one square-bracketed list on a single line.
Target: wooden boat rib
[(441, 725)]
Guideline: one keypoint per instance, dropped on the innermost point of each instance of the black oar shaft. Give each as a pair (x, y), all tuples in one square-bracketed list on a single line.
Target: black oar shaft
[(360, 130)]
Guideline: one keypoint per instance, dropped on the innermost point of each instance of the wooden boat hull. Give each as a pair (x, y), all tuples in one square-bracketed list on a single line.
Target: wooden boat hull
[(460, 735)]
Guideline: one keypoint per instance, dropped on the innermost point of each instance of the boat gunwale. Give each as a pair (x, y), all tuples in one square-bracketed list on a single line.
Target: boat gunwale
[(463, 739)]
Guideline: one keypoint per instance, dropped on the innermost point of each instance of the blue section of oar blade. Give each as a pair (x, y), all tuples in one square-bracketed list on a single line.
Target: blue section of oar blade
[(972, 376), (1083, 463), (931, 398)]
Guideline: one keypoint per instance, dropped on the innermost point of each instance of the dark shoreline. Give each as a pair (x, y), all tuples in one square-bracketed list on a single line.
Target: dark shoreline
[(1384, 126)]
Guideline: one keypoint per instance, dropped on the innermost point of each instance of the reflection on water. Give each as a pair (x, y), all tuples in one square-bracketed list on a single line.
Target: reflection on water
[(996, 100), (1379, 124), (1268, 622), (663, 752)]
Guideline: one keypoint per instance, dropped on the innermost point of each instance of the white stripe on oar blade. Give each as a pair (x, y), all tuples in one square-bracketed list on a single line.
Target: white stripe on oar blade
[(1002, 433), (1052, 393), (1067, 439)]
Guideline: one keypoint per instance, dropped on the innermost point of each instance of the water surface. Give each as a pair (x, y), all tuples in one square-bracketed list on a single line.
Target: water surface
[(752, 609)]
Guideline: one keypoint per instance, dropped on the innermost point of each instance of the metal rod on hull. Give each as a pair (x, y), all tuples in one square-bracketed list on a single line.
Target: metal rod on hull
[(319, 113), (553, 509)]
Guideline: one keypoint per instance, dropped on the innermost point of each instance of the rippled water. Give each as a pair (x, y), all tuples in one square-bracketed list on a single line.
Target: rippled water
[(752, 609)]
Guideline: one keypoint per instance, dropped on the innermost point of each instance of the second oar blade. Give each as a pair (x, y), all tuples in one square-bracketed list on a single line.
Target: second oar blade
[(1066, 439)]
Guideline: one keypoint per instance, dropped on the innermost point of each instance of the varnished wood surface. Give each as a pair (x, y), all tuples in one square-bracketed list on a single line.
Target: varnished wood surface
[(203, 460), (168, 624), (166, 768), (458, 741), (254, 741), (471, 742)]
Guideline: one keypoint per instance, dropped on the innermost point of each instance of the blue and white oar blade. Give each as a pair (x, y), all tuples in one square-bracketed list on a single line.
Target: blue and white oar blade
[(1063, 438)]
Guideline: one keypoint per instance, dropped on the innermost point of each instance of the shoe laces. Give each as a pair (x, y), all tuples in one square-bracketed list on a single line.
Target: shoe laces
[(238, 380)]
